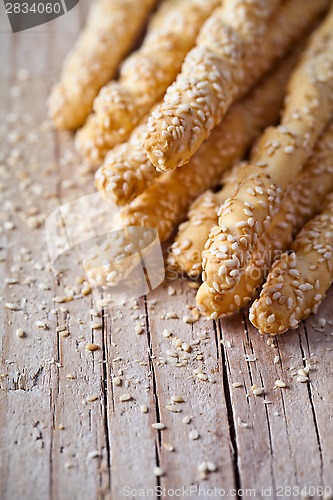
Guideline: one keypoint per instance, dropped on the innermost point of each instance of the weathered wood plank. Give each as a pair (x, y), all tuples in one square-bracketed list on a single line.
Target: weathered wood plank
[(280, 446), (204, 400), (132, 440), (65, 433)]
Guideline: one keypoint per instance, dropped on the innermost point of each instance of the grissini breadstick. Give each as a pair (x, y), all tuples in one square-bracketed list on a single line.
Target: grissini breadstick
[(127, 171), (164, 204), (303, 200), (111, 30), (282, 152), (144, 77), (186, 251), (93, 144), (238, 44), (146, 74), (298, 282)]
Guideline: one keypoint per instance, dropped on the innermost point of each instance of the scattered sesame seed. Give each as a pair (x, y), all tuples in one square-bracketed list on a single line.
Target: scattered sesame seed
[(64, 333), (138, 329), (95, 325), (194, 434), (280, 383), (258, 391), (12, 306), (144, 409), (177, 399), (158, 426), (173, 408), (91, 399), (91, 347), (168, 447), (158, 472), (125, 397), (20, 333)]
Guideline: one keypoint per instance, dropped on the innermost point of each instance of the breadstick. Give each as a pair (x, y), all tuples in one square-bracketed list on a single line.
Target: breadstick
[(93, 144), (303, 200), (127, 171), (281, 154), (186, 251), (299, 281), (238, 44), (164, 204), (144, 77), (146, 74), (111, 30)]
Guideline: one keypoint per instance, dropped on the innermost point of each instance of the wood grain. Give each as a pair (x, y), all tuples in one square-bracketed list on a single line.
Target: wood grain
[(64, 433)]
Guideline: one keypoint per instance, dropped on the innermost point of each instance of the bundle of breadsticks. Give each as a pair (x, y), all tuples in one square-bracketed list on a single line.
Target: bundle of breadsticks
[(171, 136)]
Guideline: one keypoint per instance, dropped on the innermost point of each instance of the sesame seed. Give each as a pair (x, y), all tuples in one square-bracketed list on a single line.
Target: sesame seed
[(20, 333), (194, 434), (12, 306), (173, 408), (258, 391), (91, 347), (95, 326), (158, 472), (271, 319), (144, 409), (168, 447), (64, 333), (211, 466), (289, 150), (186, 420), (177, 399), (303, 379), (280, 383), (125, 397), (92, 398), (158, 426), (41, 324)]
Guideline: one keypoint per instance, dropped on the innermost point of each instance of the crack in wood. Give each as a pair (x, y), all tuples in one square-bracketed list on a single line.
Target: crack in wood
[(158, 444), (313, 410), (230, 410), (104, 386)]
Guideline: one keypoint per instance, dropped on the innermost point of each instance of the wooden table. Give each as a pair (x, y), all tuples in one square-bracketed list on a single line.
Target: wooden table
[(64, 433)]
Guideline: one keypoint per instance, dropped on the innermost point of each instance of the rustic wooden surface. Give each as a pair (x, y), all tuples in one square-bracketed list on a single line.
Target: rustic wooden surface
[(64, 434)]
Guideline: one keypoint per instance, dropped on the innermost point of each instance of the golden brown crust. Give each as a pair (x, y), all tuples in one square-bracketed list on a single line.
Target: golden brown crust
[(237, 46), (303, 200), (89, 66), (298, 282), (165, 202), (280, 155)]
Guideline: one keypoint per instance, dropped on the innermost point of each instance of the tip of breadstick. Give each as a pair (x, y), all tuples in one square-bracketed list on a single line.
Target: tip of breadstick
[(167, 142), (213, 305), (114, 107), (59, 110), (265, 320)]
